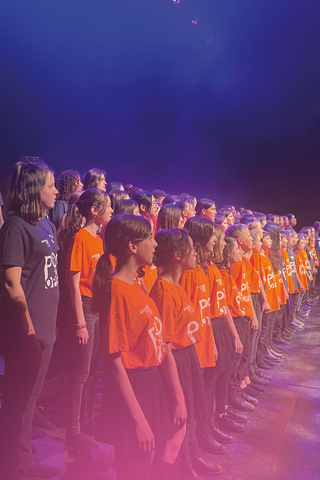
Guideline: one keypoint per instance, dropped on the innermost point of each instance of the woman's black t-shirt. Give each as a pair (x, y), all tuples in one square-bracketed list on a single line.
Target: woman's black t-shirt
[(34, 248)]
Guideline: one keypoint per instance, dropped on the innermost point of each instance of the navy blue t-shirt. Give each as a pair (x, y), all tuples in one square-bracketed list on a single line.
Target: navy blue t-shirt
[(34, 248)]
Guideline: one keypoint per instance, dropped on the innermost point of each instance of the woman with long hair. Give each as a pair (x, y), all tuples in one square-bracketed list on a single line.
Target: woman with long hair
[(227, 340), (196, 284), (148, 208), (116, 195), (92, 209), (126, 206), (275, 257), (68, 182), (95, 178), (206, 208), (29, 301), (265, 357), (169, 216), (181, 329), (228, 213), (135, 415)]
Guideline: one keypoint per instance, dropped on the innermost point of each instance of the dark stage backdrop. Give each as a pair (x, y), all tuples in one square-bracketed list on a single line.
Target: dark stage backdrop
[(217, 98)]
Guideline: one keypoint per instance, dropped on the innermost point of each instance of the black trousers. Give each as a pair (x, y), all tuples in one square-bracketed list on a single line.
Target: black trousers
[(24, 361), (242, 325)]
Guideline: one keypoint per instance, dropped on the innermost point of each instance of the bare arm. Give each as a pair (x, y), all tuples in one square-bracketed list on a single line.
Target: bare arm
[(170, 371), (254, 320), (236, 339), (76, 302), (144, 433), (17, 300), (265, 303), (1, 217)]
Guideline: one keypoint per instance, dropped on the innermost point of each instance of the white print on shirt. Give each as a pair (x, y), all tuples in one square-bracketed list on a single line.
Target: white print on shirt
[(204, 303), (46, 242), (302, 269), (146, 310), (51, 238), (245, 288), (220, 296), (50, 271), (96, 256), (289, 269), (156, 337), (238, 299), (202, 288), (271, 280), (193, 327)]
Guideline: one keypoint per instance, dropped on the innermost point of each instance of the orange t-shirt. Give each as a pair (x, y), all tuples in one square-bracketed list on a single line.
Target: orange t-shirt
[(304, 255), (301, 269), (288, 268), (150, 276), (253, 275), (130, 323), (180, 325), (234, 299), (196, 285), (271, 284), (240, 275), (83, 255), (259, 266), (218, 301)]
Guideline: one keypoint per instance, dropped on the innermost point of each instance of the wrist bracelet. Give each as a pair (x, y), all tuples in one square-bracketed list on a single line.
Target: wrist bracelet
[(81, 325)]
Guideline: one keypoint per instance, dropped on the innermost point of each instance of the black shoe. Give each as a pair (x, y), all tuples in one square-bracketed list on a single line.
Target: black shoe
[(276, 354), (208, 468), (262, 375), (225, 423), (254, 386), (264, 365), (236, 416), (218, 434), (39, 470), (240, 404), (80, 442), (187, 472), (207, 441), (251, 391), (249, 399), (258, 380), (89, 428), (269, 356), (281, 341), (276, 348)]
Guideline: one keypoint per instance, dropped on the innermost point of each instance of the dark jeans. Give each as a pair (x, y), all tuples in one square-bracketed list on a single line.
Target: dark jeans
[(22, 362), (25, 453), (294, 305), (268, 319), (83, 373), (237, 370)]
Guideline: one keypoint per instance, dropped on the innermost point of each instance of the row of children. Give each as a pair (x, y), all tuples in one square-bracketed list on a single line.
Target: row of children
[(188, 312)]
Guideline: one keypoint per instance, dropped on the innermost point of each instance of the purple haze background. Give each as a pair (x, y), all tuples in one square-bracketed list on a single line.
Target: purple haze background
[(227, 108)]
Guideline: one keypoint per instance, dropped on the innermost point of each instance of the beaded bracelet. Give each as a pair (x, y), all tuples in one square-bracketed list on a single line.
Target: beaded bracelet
[(81, 325)]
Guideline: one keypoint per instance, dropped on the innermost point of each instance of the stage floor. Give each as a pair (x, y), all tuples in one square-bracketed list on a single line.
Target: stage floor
[(281, 440)]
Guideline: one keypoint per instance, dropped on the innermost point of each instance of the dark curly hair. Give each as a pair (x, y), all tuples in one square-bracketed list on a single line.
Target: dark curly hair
[(67, 183), (170, 241)]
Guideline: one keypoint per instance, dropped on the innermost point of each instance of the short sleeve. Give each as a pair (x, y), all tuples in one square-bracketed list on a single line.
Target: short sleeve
[(186, 282), (76, 255), (14, 249), (115, 336)]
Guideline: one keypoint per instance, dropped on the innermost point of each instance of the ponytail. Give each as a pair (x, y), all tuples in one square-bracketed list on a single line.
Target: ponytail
[(102, 274)]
